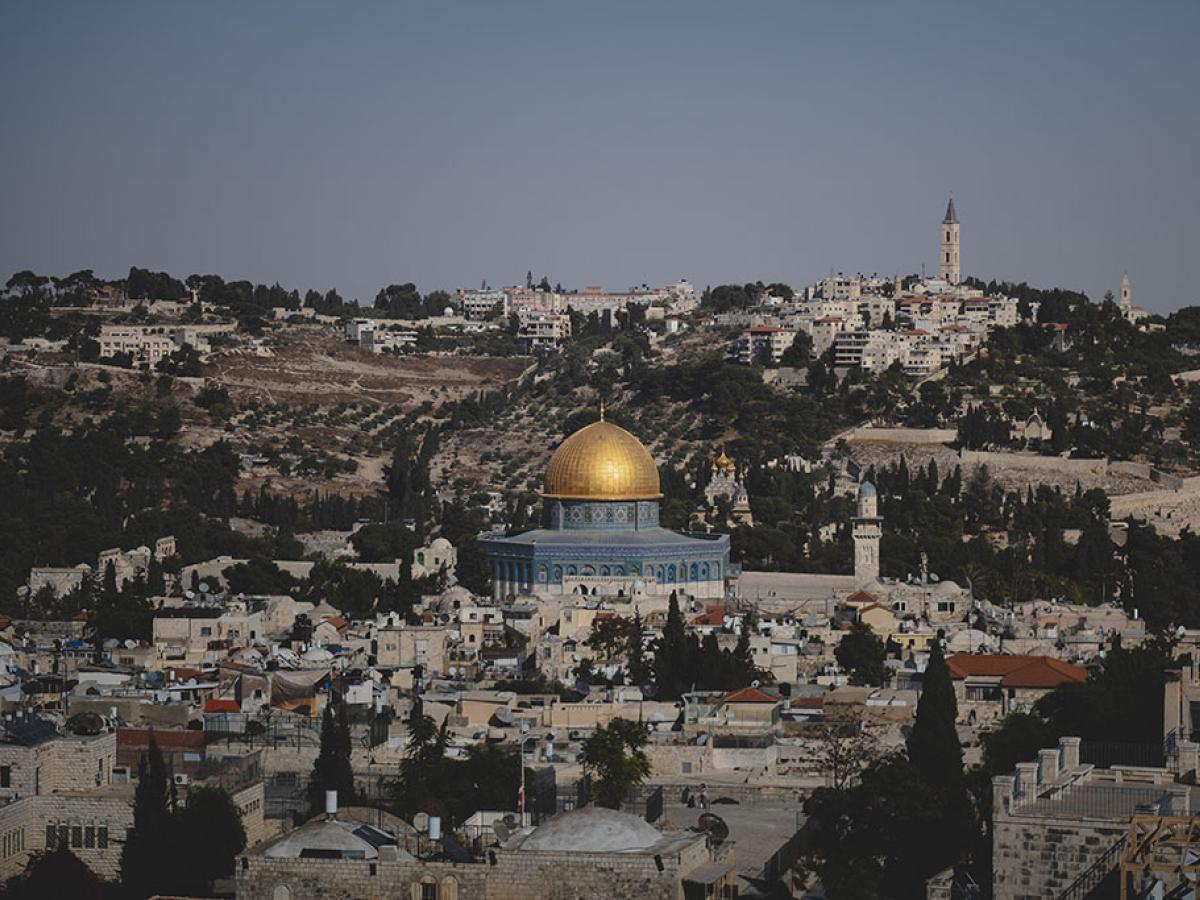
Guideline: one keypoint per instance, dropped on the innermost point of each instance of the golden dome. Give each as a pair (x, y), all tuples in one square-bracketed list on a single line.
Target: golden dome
[(602, 461)]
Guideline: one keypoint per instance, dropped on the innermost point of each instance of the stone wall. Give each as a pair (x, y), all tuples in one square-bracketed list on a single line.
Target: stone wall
[(1034, 857), (93, 827), (1056, 464), (506, 875)]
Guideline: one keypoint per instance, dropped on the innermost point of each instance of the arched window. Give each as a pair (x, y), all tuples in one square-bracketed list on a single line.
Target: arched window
[(671, 573), (604, 571), (695, 572), (449, 888)]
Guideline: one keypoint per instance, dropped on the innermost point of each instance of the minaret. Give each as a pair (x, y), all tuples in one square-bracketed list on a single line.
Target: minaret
[(868, 530), (1126, 295), (948, 269)]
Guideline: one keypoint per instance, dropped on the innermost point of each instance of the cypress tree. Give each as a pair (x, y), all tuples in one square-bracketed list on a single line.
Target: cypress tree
[(671, 656), (636, 664), (332, 770), (146, 857), (933, 746)]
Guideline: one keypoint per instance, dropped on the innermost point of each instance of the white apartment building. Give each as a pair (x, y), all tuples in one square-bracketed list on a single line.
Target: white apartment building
[(763, 343), (543, 330), (837, 287), (145, 343), (151, 343), (481, 304)]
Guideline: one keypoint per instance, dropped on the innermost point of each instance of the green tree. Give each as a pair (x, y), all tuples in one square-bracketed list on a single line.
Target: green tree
[(861, 652), (933, 746), (147, 858), (616, 761), (54, 874), (671, 662), (210, 827), (332, 770)]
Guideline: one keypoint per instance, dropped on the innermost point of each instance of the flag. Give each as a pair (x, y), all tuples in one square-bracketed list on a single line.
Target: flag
[(521, 800)]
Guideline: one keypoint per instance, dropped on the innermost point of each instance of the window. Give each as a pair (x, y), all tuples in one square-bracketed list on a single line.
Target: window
[(64, 836), (5, 776), (51, 837), (206, 631), (429, 892), (102, 837), (685, 768), (76, 835), (89, 836)]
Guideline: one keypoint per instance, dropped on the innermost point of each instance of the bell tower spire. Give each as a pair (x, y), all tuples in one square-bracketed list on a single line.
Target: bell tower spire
[(948, 265)]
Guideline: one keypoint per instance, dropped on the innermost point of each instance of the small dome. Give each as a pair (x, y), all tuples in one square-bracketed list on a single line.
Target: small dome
[(326, 839), (317, 655), (866, 489), (594, 829), (440, 543), (602, 461)]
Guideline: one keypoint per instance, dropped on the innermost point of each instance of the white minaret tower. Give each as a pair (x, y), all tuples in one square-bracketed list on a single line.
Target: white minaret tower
[(948, 269), (868, 530), (1126, 295)]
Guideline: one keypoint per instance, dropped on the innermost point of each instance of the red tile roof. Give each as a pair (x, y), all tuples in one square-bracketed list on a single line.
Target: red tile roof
[(750, 695), (1016, 671), (712, 617), (140, 737), (337, 622), (862, 597), (213, 705)]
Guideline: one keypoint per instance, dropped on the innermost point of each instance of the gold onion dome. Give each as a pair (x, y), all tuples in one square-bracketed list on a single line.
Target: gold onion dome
[(602, 461)]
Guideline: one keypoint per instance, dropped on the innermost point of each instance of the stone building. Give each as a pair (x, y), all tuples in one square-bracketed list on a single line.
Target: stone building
[(438, 556), (989, 687), (585, 854), (36, 759), (1058, 819), (600, 532)]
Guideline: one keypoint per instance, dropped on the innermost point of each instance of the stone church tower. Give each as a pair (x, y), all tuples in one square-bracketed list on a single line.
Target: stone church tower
[(868, 531), (1126, 303), (948, 269)]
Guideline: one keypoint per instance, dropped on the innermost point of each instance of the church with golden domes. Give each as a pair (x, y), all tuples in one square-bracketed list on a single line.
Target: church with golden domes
[(600, 534)]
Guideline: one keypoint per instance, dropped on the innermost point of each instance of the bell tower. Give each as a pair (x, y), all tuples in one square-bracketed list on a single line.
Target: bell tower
[(948, 266)]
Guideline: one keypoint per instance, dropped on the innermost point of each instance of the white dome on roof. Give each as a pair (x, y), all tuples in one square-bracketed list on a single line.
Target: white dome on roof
[(866, 489), (594, 829), (331, 838), (317, 655), (440, 543)]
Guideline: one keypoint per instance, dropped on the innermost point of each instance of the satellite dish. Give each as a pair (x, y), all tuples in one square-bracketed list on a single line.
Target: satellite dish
[(421, 822), (714, 826), (204, 587), (756, 683), (501, 831), (510, 821)]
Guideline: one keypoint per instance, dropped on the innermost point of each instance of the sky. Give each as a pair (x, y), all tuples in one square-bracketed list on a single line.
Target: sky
[(618, 143)]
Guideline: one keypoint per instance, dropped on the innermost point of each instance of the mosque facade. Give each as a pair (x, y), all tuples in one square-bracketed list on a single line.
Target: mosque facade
[(600, 531)]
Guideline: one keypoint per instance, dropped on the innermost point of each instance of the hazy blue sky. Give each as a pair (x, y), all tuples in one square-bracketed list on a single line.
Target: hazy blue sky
[(357, 144)]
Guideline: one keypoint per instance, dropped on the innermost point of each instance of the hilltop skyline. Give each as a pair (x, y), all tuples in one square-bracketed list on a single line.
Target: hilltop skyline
[(609, 146)]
